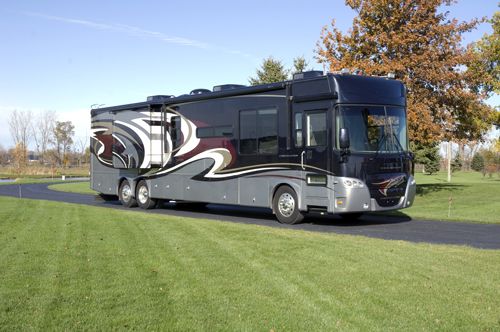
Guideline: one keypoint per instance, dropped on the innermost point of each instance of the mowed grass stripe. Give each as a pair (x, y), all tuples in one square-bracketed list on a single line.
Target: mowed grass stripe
[(96, 268)]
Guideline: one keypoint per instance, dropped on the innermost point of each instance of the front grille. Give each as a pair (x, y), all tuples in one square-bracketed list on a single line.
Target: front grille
[(388, 201)]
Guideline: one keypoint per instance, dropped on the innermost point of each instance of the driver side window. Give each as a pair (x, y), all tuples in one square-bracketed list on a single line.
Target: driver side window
[(316, 129)]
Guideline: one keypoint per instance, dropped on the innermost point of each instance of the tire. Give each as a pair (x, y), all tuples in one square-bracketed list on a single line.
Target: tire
[(142, 196), (351, 216), (125, 194), (286, 206)]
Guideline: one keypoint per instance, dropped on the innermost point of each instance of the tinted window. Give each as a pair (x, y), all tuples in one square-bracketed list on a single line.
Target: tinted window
[(374, 128), (267, 130), (259, 131), (316, 129), (214, 131), (176, 133), (248, 132), (298, 129)]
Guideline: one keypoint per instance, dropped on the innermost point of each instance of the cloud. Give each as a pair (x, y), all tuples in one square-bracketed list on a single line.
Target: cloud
[(135, 32)]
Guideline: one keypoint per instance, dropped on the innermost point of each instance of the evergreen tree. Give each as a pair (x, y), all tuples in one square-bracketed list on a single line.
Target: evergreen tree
[(428, 156), (477, 163), (271, 71), (456, 164), (299, 65)]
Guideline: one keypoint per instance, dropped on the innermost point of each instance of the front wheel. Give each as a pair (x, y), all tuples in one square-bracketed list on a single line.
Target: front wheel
[(143, 198), (286, 206)]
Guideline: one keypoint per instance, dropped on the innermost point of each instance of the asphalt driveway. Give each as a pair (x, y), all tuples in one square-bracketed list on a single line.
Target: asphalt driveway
[(485, 236)]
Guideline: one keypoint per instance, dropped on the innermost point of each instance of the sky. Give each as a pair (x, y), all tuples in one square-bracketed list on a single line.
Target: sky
[(68, 55)]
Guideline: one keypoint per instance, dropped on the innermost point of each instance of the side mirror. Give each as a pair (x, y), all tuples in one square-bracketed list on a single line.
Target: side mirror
[(344, 138)]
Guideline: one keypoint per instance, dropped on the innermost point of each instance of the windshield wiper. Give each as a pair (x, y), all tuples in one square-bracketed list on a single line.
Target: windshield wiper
[(401, 149), (395, 142)]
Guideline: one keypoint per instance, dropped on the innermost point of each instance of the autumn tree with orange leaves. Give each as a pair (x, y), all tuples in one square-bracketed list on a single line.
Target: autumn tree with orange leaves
[(420, 44)]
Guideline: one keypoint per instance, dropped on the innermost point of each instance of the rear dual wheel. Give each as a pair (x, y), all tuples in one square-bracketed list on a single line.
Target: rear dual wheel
[(125, 194), (142, 195)]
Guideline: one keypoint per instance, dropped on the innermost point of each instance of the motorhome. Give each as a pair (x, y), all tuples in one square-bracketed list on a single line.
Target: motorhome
[(329, 144)]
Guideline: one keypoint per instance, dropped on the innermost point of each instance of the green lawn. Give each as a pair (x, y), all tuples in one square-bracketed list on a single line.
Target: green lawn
[(67, 267), (74, 187), (473, 198)]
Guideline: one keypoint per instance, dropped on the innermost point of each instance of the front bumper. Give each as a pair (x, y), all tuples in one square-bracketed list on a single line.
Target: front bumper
[(358, 199)]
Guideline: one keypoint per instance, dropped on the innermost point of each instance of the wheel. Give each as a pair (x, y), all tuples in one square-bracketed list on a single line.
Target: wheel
[(142, 195), (286, 206), (125, 194), (351, 216)]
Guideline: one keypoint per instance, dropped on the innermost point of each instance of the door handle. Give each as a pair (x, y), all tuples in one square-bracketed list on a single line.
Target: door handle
[(302, 160)]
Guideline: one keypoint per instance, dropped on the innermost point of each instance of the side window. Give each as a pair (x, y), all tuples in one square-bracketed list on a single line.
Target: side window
[(298, 129), (267, 131), (259, 131), (248, 132), (176, 133), (316, 129), (208, 132)]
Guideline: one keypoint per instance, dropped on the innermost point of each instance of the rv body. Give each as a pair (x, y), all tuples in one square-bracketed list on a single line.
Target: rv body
[(332, 143)]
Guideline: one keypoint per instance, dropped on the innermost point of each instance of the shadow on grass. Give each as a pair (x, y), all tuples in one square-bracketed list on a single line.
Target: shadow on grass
[(424, 189)]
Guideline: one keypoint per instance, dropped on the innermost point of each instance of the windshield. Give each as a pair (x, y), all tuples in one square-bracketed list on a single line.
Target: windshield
[(374, 128)]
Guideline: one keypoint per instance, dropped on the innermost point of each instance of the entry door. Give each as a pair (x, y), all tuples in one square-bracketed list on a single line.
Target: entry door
[(311, 138)]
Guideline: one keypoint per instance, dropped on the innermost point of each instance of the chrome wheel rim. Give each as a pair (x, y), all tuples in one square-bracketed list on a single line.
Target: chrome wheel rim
[(143, 194), (286, 205), (126, 193)]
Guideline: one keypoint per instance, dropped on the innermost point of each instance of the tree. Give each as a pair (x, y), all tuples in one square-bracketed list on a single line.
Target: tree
[(428, 156), (21, 132), (477, 163), (300, 65), (19, 158), (496, 145), (271, 71), (81, 145), (487, 56), (63, 139), (43, 131), (456, 164), (4, 155), (421, 45), (491, 162)]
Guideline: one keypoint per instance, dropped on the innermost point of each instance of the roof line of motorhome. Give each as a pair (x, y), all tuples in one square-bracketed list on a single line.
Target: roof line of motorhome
[(239, 91), (190, 98)]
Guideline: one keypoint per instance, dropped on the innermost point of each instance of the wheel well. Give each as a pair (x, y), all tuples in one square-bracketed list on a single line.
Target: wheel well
[(277, 187)]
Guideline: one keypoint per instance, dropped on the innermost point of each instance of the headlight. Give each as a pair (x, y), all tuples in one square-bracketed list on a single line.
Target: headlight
[(353, 183)]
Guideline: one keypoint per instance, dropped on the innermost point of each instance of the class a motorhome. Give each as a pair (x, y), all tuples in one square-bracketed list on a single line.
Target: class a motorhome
[(329, 144)]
